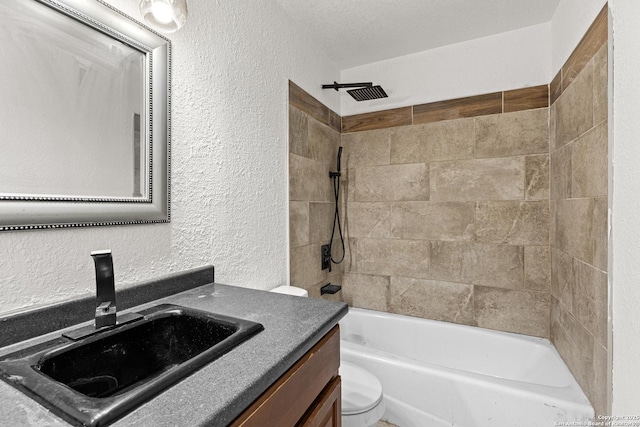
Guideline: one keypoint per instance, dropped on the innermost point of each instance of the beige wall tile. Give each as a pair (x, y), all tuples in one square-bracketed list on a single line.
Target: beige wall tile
[(537, 268), (600, 82), (574, 344), (298, 132), (336, 276), (349, 265), (369, 219), (323, 142), (320, 222), (590, 299), (447, 140), (553, 128), (366, 291), (382, 257), (561, 173), (499, 266), (478, 179), (575, 108), (370, 148), (512, 134), (513, 222), (601, 233), (308, 180), (537, 177), (433, 220), (553, 209), (522, 312), (305, 266), (589, 163), (298, 224), (562, 277), (573, 226), (429, 299), (348, 183), (337, 254), (392, 183)]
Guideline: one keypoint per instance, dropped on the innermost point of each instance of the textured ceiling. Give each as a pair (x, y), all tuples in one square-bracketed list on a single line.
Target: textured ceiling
[(356, 32)]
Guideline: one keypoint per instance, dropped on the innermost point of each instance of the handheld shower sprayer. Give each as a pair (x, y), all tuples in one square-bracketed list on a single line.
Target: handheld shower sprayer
[(327, 258), (337, 174)]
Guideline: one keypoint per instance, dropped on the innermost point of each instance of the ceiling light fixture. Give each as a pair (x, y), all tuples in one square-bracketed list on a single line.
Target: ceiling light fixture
[(167, 16)]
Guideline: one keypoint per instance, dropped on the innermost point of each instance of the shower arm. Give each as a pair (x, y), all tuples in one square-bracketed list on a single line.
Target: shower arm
[(337, 85)]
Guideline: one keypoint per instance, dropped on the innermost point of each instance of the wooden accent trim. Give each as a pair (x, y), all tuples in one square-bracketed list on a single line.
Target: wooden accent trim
[(327, 408), (480, 105), (555, 88), (377, 120), (300, 99), (589, 45), (335, 121), (528, 98), (287, 400)]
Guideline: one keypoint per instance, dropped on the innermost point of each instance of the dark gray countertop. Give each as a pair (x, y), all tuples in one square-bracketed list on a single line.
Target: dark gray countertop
[(219, 392)]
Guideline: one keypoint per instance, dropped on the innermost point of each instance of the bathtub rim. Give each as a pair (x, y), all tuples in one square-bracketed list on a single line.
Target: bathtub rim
[(570, 393)]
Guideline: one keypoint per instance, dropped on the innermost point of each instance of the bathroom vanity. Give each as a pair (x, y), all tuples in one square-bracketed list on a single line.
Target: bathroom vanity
[(287, 374), (307, 395)]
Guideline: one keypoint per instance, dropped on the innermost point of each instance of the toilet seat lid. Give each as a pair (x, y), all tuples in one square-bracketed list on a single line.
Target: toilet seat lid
[(361, 390)]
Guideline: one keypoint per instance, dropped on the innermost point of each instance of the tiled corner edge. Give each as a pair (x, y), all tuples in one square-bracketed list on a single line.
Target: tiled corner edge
[(300, 99)]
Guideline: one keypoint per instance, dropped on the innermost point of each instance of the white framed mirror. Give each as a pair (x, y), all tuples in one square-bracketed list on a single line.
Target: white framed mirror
[(85, 117)]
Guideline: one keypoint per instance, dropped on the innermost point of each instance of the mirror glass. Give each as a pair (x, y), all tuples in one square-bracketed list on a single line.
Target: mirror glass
[(84, 116), (72, 101)]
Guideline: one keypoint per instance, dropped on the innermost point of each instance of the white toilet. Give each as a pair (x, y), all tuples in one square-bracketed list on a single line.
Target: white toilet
[(290, 290), (362, 403)]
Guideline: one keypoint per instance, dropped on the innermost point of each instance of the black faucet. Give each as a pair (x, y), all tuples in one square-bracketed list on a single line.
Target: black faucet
[(105, 289), (106, 317)]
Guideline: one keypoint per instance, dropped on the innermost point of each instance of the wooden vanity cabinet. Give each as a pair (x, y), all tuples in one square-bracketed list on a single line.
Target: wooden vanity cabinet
[(307, 395)]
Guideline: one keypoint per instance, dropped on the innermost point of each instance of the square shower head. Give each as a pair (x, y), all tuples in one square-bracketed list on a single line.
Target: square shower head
[(368, 93)]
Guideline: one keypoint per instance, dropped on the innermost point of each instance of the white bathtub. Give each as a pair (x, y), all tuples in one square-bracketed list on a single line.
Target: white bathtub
[(441, 374)]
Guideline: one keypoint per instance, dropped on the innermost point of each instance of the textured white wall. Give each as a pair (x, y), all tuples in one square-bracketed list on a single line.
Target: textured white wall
[(625, 206), (570, 21), (231, 65), (510, 60)]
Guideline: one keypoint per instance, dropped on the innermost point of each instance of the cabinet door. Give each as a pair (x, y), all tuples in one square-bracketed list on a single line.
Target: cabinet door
[(327, 409), (290, 398)]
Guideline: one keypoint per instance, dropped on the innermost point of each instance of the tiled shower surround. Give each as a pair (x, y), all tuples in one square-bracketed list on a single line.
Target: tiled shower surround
[(450, 221), (488, 211), (314, 138), (579, 213)]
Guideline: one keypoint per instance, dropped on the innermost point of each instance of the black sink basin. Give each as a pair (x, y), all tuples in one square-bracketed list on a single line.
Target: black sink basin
[(99, 379)]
